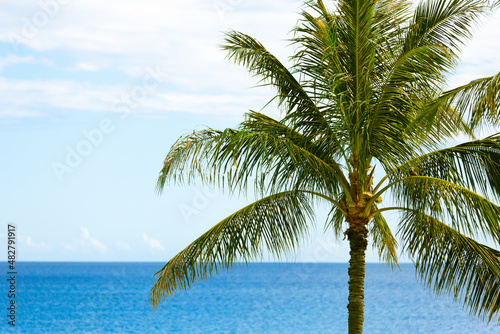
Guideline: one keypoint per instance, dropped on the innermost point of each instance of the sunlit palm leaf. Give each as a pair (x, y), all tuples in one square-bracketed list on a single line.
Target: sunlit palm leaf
[(466, 211), (233, 157), (275, 223), (383, 240), (246, 51), (475, 165), (478, 101), (452, 263)]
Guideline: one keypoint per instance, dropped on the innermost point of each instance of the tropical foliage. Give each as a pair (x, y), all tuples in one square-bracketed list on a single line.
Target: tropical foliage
[(367, 89)]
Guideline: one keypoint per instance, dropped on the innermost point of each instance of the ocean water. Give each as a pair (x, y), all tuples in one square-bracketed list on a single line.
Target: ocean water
[(261, 298)]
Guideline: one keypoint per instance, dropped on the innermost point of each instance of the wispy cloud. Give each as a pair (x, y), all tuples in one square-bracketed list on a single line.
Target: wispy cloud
[(96, 244), (85, 66), (122, 245), (154, 244), (21, 95), (94, 36), (28, 241), (126, 37), (13, 59)]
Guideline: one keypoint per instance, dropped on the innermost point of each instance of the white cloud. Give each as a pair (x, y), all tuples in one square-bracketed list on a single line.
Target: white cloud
[(85, 66), (16, 112), (28, 241), (126, 26), (128, 36), (154, 244), (122, 245), (96, 244), (14, 59), (21, 97), (58, 94), (181, 37)]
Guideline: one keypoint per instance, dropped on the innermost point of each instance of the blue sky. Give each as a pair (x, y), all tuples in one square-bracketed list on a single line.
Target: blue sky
[(94, 94)]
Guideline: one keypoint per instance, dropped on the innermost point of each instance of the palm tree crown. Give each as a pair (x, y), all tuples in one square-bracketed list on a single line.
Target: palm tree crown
[(367, 89)]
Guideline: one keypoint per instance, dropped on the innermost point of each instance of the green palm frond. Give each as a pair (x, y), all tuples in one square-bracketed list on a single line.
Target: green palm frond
[(326, 147), (383, 240), (275, 223), (411, 87), (475, 165), (416, 75), (477, 101), (411, 84), (248, 52), (357, 21), (299, 107), (452, 263), (446, 23), (320, 57), (438, 122), (336, 217), (233, 157), (467, 211), (389, 16)]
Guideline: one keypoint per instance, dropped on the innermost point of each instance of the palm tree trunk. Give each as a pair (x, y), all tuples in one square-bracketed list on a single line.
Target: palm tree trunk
[(356, 234)]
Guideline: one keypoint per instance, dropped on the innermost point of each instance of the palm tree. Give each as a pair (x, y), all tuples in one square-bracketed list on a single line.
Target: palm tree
[(367, 89)]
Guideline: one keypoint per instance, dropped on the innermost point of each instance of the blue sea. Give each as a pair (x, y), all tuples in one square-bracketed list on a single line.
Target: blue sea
[(261, 298)]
